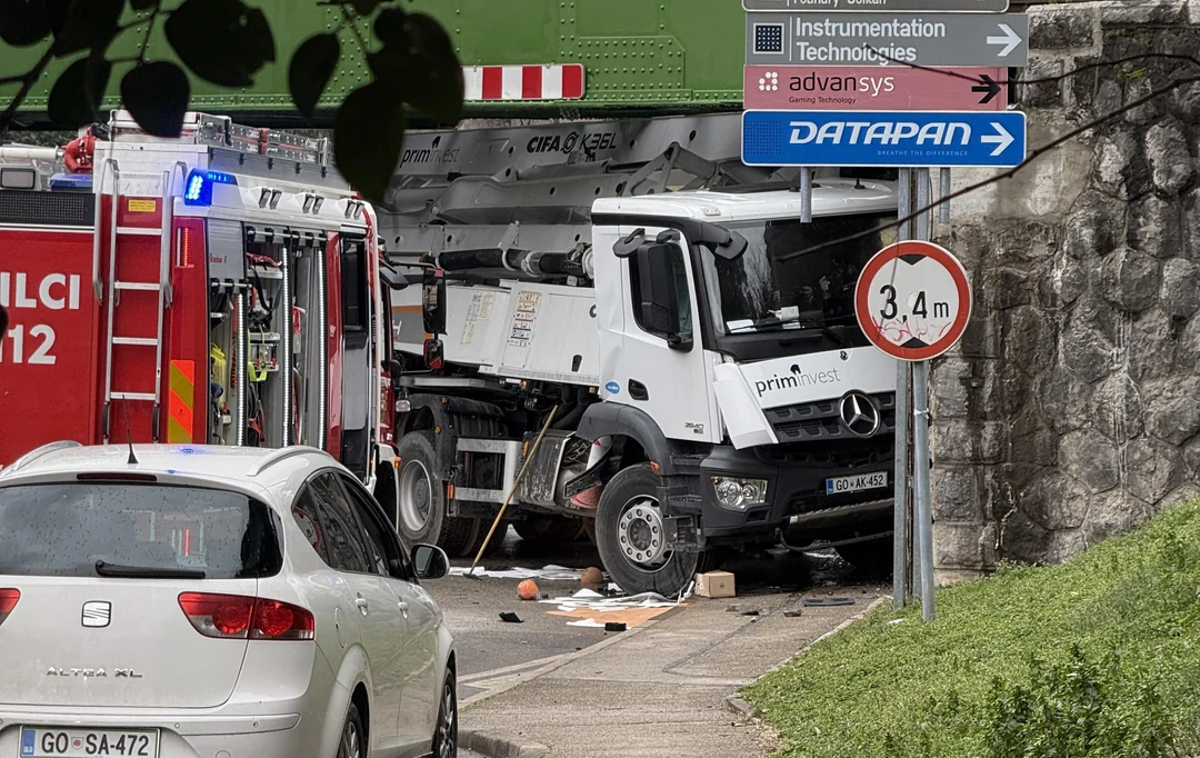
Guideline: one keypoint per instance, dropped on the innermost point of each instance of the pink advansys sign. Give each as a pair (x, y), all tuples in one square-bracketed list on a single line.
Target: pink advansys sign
[(874, 88)]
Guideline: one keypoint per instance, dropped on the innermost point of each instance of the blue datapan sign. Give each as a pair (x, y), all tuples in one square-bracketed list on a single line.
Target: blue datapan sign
[(919, 139)]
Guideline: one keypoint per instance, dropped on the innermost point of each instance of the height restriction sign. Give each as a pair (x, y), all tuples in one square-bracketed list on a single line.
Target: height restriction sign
[(913, 300)]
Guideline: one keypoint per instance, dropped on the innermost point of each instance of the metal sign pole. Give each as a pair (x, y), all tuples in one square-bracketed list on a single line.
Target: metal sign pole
[(923, 515), (805, 196), (900, 542)]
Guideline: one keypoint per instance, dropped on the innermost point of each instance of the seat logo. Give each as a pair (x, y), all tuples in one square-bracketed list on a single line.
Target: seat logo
[(859, 414), (97, 614)]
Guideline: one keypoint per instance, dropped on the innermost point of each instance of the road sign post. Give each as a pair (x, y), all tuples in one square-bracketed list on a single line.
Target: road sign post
[(887, 39), (913, 302)]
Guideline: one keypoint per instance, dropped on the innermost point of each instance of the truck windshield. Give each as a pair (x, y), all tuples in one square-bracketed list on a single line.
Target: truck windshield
[(773, 287)]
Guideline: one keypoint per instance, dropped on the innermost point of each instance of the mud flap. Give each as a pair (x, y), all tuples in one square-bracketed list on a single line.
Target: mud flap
[(682, 533)]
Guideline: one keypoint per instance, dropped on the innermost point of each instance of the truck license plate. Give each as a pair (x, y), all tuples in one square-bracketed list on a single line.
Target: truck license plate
[(44, 742), (859, 482)]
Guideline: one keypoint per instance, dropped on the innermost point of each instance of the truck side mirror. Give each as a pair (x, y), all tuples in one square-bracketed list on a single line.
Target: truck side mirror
[(658, 301), (433, 301)]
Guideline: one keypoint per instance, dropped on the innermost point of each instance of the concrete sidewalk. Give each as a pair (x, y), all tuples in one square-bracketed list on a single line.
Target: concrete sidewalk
[(661, 689)]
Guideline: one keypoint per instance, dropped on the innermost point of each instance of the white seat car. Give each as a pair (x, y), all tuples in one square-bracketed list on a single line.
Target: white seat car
[(166, 601)]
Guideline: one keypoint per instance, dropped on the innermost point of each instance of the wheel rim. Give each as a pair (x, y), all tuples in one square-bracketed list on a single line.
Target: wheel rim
[(350, 747), (416, 495), (641, 534), (447, 733)]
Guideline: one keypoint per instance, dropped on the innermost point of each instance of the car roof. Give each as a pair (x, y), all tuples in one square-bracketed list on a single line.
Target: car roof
[(259, 469)]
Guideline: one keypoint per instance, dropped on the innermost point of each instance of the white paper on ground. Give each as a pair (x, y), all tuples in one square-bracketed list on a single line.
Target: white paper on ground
[(551, 573)]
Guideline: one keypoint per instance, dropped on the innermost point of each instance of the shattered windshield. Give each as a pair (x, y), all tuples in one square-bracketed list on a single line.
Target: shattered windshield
[(772, 287)]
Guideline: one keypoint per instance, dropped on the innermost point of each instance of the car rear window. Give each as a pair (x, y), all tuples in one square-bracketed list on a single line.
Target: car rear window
[(63, 529)]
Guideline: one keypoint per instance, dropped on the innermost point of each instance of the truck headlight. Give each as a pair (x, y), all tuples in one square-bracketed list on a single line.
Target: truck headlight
[(738, 493)]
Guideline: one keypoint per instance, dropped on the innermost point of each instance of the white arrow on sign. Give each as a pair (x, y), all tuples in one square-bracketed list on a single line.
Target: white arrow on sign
[(1001, 139), (1010, 40)]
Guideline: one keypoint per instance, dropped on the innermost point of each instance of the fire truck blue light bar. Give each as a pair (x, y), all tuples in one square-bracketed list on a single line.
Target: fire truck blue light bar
[(199, 186)]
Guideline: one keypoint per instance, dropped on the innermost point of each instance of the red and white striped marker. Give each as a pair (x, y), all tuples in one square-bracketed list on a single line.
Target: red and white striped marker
[(549, 82)]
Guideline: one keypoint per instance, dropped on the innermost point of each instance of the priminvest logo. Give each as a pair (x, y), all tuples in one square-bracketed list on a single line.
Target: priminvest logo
[(797, 377)]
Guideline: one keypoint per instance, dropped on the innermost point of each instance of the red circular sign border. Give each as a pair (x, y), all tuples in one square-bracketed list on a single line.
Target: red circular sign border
[(957, 272)]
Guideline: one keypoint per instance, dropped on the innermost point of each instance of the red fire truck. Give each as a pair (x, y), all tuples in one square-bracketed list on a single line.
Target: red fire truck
[(225, 287)]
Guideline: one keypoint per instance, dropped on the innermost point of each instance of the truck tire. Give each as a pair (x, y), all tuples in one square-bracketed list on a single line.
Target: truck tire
[(630, 538), (421, 507), (556, 530)]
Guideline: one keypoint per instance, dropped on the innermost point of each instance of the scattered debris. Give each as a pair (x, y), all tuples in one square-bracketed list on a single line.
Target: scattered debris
[(732, 609), (587, 608), (714, 584), (551, 573), (828, 601), (510, 618), (793, 613), (527, 590), (614, 626), (893, 622), (591, 577), (751, 612)]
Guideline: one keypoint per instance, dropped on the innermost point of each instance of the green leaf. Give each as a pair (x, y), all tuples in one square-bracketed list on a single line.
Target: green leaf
[(365, 7), (74, 99), (157, 94), (390, 29), (86, 24), (312, 67), (23, 22), (435, 75), (368, 134), (224, 42)]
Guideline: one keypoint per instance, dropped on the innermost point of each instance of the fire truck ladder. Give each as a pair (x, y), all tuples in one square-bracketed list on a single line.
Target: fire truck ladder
[(116, 285)]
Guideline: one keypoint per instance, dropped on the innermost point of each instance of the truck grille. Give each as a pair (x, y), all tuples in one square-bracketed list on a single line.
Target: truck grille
[(819, 421), (853, 453)]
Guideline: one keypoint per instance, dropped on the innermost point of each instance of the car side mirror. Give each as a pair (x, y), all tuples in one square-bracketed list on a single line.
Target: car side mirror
[(433, 301), (430, 562)]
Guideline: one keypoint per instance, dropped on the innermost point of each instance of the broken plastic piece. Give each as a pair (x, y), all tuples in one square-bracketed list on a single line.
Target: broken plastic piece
[(828, 601), (510, 617), (614, 626)]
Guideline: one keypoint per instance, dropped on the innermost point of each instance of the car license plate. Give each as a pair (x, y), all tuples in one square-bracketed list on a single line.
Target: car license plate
[(49, 742), (859, 482)]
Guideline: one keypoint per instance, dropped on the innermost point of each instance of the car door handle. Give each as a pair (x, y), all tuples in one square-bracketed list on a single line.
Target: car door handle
[(403, 605), (362, 604)]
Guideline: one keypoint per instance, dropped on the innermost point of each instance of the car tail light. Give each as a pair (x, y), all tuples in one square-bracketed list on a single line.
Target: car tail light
[(238, 617), (8, 601)]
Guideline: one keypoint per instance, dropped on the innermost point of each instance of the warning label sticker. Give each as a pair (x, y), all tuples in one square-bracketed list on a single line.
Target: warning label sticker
[(479, 310), (523, 318)]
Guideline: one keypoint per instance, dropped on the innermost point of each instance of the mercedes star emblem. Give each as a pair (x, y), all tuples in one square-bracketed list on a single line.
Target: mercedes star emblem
[(859, 414)]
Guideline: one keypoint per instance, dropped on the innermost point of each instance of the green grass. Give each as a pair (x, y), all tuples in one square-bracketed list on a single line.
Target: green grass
[(1096, 657)]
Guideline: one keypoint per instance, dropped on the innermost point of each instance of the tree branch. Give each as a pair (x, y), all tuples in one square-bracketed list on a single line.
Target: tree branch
[(1034, 155)]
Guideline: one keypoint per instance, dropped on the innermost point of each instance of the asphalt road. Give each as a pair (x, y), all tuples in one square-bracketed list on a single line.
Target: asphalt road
[(492, 651)]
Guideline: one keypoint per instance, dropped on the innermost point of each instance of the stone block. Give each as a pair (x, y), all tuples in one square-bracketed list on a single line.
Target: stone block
[(1168, 155), (1023, 539), (1059, 28), (1136, 89), (1172, 410), (1069, 280), (956, 494), (1117, 408), (1155, 228), (1065, 545), (1151, 469), (1183, 494), (949, 393), (1191, 460), (1055, 501), (964, 441), (1130, 279), (1085, 350), (1036, 93), (1089, 457), (1001, 288), (1029, 339), (958, 546), (1118, 13), (1180, 290), (1065, 399), (1121, 166), (1087, 231), (1151, 345), (1113, 513), (1187, 356)]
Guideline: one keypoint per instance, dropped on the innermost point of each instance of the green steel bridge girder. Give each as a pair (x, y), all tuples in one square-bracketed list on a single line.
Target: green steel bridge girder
[(639, 56)]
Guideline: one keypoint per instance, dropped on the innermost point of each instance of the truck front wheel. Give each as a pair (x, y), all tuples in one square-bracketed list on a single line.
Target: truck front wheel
[(631, 538), (421, 507)]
